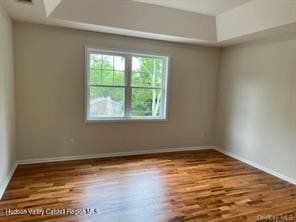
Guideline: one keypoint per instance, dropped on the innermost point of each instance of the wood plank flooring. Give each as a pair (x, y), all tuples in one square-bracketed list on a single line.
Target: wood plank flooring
[(184, 186)]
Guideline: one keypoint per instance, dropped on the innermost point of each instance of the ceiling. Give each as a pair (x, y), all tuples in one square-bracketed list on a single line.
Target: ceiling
[(24, 10), (203, 22), (208, 7)]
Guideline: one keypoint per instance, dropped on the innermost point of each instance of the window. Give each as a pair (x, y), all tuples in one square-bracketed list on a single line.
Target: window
[(125, 86)]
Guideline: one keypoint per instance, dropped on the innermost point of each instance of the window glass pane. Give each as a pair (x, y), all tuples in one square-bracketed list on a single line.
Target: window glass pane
[(119, 78), (107, 62), (107, 77), (147, 71), (107, 70), (95, 61), (95, 76), (119, 63), (106, 102), (95, 69), (146, 102)]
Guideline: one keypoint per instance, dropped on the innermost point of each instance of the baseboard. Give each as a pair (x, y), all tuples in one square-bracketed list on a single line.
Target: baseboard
[(132, 153), (256, 165), (116, 154), (6, 181), (3, 186)]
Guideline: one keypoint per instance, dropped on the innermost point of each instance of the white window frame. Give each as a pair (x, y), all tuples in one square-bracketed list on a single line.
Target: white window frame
[(128, 88)]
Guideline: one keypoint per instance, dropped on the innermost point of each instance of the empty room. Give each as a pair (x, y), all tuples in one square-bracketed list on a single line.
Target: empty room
[(148, 110)]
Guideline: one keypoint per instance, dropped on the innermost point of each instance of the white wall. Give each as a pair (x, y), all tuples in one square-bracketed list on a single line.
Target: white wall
[(7, 134), (49, 89), (256, 110), (254, 17)]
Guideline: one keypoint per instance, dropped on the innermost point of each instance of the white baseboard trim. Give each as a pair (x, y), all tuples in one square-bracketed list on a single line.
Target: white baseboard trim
[(115, 154), (6, 181), (256, 165), (132, 153)]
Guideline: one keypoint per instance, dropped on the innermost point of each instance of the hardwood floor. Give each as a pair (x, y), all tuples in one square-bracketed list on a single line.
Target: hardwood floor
[(185, 186)]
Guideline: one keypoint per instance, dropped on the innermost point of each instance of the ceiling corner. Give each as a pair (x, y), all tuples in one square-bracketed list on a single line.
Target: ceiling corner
[(50, 6)]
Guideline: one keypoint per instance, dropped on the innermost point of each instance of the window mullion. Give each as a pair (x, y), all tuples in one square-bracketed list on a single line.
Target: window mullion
[(128, 73)]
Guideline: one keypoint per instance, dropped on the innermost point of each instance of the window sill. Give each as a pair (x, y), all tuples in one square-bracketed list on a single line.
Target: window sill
[(114, 120)]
